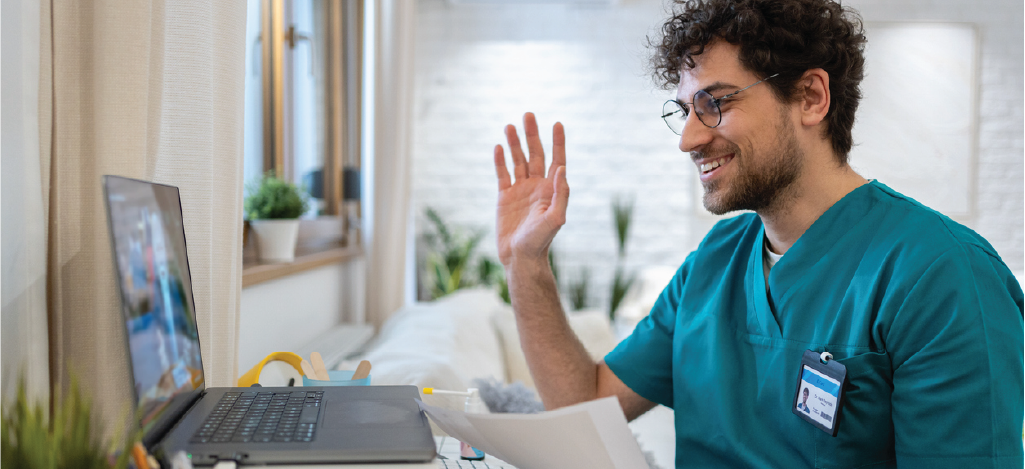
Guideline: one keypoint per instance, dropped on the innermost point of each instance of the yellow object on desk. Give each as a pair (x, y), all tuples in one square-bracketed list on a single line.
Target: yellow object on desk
[(253, 375)]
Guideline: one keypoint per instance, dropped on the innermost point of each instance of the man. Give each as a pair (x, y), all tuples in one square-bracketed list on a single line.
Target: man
[(803, 406), (921, 313)]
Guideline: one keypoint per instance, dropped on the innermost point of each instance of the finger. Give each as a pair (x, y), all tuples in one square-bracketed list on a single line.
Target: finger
[(536, 168), (560, 197), (500, 169), (558, 148), (519, 161)]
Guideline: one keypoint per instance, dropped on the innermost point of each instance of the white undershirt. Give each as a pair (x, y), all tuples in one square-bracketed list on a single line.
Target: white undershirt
[(769, 259)]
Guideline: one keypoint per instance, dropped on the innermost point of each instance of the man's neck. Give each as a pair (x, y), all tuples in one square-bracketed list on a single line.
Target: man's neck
[(805, 201)]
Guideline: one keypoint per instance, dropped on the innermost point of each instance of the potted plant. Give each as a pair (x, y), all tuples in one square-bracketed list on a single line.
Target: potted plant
[(64, 437), (273, 208)]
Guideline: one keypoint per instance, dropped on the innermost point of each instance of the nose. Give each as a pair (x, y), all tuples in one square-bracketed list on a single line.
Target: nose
[(695, 134)]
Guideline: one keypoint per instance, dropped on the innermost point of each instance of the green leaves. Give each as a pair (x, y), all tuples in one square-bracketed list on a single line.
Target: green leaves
[(622, 213), (449, 263), (272, 198), (30, 439), (578, 289), (621, 283)]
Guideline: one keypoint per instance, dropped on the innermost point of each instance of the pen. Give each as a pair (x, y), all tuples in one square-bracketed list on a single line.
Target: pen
[(451, 393), (140, 456)]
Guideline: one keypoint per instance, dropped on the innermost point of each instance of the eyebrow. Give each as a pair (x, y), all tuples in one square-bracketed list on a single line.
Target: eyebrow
[(717, 86)]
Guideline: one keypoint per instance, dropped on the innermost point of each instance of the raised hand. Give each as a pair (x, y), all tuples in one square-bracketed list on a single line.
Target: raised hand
[(533, 208)]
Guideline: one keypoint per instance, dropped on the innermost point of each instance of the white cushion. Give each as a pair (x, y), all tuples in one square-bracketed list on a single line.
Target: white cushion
[(443, 344), (591, 327)]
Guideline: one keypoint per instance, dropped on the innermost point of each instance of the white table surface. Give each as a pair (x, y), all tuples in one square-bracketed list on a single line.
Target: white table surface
[(448, 458)]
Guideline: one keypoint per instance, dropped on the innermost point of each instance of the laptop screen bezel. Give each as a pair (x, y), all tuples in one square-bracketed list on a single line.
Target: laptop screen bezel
[(179, 404)]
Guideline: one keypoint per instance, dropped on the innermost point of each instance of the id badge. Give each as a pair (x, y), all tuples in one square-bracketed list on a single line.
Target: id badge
[(819, 395)]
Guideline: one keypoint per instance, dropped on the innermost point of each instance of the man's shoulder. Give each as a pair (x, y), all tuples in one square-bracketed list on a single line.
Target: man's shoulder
[(904, 224)]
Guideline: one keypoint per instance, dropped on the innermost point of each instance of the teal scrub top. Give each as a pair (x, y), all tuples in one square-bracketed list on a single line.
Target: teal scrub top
[(921, 310)]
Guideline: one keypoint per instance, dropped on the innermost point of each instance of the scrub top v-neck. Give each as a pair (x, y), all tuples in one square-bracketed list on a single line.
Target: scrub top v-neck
[(896, 292)]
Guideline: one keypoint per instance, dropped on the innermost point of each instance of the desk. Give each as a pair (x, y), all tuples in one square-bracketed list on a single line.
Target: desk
[(448, 458)]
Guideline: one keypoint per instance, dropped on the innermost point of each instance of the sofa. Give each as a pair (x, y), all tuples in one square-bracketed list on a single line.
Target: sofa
[(471, 335)]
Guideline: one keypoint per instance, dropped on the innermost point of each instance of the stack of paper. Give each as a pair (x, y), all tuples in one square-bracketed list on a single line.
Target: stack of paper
[(591, 435)]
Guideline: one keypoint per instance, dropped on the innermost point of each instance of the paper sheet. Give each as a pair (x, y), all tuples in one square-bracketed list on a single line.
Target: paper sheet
[(591, 435)]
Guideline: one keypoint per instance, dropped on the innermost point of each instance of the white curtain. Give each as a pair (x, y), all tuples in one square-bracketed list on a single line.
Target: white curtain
[(389, 145), (23, 231), (151, 90)]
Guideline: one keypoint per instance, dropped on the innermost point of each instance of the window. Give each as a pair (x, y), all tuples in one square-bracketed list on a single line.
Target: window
[(303, 89)]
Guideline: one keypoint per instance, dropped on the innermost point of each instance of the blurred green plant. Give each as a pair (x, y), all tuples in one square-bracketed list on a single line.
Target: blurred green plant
[(621, 283), (578, 289), (622, 214), (449, 261), (451, 255), (273, 198), (31, 439)]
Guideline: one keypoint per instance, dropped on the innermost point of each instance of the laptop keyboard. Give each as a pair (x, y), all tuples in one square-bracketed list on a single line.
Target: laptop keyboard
[(262, 417)]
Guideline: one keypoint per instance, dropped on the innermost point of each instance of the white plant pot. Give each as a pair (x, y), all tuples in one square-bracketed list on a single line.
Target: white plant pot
[(275, 239)]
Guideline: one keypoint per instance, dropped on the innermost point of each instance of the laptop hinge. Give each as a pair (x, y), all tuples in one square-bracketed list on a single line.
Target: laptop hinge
[(176, 412)]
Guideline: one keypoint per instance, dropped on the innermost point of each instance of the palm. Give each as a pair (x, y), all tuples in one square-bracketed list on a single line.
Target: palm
[(531, 210), (521, 212)]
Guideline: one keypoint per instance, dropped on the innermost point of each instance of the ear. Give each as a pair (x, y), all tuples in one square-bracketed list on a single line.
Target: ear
[(813, 89)]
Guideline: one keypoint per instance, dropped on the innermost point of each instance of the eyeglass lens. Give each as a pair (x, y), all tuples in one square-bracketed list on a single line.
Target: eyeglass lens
[(705, 106)]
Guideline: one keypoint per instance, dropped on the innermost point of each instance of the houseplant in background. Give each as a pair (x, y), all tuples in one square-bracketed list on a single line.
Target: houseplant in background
[(450, 256), (578, 289), (448, 264), (622, 213), (273, 207), (452, 263)]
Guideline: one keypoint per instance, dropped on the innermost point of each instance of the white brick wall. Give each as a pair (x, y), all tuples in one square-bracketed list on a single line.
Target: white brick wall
[(480, 67)]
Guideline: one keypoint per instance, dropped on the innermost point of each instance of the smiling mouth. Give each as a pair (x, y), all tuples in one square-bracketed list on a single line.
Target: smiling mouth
[(710, 166)]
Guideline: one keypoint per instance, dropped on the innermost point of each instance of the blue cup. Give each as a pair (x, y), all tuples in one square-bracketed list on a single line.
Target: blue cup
[(338, 378)]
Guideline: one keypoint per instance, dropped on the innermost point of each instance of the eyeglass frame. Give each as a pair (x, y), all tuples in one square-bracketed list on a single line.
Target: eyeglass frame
[(716, 101)]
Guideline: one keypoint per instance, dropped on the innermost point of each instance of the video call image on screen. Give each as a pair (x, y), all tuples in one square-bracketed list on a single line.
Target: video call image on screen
[(162, 335)]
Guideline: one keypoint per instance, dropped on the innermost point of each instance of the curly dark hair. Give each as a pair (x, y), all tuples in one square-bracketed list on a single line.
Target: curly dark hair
[(787, 37)]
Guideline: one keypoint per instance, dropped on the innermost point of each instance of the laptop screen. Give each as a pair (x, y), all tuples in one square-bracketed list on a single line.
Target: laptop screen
[(148, 240)]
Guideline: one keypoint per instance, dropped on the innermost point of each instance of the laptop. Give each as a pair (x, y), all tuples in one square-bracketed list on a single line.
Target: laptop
[(251, 426)]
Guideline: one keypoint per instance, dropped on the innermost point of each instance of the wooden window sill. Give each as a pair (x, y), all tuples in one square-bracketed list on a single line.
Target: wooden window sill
[(321, 241), (306, 258)]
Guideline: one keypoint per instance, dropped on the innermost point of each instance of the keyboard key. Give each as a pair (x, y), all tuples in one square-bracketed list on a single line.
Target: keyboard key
[(261, 417)]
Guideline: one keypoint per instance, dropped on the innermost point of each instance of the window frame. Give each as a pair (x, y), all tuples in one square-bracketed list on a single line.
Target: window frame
[(333, 236)]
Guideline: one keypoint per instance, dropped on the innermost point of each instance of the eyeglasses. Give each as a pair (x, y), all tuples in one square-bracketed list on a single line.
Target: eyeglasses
[(707, 107)]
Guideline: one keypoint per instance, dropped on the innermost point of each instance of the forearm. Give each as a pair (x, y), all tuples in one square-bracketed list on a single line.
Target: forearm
[(563, 372)]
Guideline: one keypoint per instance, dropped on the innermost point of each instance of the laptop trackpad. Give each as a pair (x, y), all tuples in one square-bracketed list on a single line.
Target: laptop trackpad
[(342, 415)]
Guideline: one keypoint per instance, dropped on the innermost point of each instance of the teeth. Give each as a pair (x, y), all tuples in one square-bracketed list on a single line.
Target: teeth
[(706, 167)]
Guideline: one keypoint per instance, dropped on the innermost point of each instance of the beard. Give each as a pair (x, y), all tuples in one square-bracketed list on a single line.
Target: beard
[(756, 186)]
